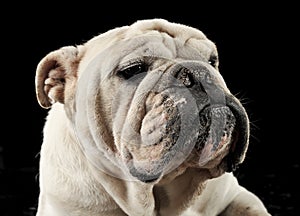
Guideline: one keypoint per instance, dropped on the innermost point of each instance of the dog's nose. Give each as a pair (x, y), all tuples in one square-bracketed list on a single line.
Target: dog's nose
[(185, 76), (201, 77), (200, 74)]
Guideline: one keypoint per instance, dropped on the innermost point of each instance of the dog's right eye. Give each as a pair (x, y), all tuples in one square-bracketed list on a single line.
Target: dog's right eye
[(132, 70)]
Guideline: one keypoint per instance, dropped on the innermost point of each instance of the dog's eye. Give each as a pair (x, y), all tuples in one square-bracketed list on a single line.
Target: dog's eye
[(213, 60), (132, 70)]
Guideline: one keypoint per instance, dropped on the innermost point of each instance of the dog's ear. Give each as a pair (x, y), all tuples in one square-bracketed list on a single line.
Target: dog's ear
[(54, 72)]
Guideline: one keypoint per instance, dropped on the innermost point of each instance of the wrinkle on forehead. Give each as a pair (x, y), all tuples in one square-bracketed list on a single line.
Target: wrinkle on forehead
[(175, 30), (182, 35), (172, 41)]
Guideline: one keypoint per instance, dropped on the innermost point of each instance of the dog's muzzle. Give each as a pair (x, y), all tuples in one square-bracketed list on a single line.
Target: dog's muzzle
[(188, 116)]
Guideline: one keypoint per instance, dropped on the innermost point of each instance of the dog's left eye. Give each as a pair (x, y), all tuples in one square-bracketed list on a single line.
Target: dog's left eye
[(213, 60), (132, 70)]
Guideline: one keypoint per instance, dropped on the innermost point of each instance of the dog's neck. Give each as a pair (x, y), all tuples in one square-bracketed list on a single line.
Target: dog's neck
[(167, 199), (171, 199)]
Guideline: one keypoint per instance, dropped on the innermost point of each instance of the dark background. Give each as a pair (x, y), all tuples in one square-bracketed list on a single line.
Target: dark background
[(258, 59)]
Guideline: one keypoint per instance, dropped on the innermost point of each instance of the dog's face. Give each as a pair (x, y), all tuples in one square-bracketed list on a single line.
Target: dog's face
[(147, 100)]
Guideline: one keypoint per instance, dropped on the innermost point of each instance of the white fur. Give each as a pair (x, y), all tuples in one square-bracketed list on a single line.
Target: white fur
[(70, 185)]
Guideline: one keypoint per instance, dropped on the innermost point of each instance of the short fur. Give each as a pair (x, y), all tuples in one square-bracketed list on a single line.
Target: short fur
[(82, 155)]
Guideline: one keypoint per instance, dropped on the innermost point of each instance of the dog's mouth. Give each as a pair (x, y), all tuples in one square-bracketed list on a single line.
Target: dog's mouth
[(170, 138)]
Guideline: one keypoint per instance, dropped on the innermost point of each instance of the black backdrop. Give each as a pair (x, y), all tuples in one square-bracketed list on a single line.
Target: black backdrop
[(258, 59)]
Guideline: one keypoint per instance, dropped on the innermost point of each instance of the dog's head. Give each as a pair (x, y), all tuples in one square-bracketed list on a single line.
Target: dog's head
[(147, 99)]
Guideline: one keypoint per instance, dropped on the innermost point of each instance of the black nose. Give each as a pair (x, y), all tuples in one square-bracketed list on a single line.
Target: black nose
[(192, 74), (185, 76), (200, 77)]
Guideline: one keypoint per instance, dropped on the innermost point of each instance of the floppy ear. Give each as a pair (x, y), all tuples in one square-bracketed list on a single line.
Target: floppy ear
[(54, 72)]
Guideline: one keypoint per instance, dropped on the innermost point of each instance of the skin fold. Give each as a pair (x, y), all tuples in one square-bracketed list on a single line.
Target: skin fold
[(141, 122)]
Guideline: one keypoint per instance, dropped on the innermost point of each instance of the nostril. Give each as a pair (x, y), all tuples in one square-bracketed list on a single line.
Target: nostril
[(185, 76)]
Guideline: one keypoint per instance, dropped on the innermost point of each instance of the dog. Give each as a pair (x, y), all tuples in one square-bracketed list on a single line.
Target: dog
[(141, 122)]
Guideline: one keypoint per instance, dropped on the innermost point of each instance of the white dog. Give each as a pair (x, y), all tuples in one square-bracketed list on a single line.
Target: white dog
[(141, 123)]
